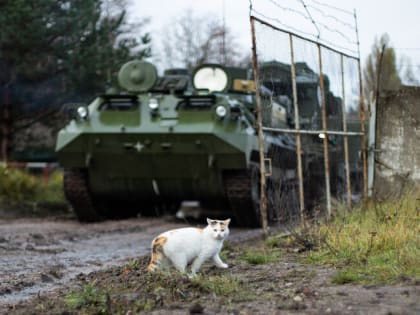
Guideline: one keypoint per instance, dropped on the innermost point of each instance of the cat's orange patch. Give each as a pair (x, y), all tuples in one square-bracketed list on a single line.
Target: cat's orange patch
[(157, 245), (160, 241)]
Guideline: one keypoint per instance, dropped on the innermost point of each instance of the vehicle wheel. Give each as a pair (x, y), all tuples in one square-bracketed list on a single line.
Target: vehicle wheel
[(77, 193), (243, 191)]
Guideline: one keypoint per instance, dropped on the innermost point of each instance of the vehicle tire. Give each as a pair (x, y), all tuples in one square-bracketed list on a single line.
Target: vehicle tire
[(243, 192), (77, 193)]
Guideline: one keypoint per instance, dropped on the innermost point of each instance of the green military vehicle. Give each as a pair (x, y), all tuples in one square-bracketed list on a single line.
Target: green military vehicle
[(162, 140), (182, 136)]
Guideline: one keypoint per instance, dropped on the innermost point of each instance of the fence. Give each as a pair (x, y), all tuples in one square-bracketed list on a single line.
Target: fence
[(311, 117)]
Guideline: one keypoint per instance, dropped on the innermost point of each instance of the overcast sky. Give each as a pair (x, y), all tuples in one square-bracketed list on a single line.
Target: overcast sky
[(400, 19)]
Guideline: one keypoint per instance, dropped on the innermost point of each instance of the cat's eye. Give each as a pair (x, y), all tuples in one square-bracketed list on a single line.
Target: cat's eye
[(222, 230), (215, 230)]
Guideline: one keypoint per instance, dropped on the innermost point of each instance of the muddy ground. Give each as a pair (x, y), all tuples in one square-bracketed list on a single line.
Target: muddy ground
[(44, 260)]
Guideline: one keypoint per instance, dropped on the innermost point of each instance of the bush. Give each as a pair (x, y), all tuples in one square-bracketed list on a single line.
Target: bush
[(18, 187)]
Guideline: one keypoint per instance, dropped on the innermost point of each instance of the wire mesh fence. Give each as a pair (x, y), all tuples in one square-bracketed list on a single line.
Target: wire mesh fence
[(310, 98)]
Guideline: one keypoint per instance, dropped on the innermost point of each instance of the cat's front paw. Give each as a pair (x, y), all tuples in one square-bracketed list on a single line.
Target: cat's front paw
[(224, 266)]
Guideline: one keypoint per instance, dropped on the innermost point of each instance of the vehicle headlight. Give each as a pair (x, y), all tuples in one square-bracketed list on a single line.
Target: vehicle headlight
[(221, 111), (83, 112), (321, 135), (153, 104)]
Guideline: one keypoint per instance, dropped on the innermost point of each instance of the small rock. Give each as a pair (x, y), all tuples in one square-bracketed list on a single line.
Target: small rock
[(29, 247), (307, 291), (328, 310), (297, 298), (288, 284), (129, 312), (197, 308), (46, 278), (37, 236)]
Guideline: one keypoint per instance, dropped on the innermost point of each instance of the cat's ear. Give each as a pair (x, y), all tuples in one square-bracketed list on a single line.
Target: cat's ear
[(227, 221), (209, 221)]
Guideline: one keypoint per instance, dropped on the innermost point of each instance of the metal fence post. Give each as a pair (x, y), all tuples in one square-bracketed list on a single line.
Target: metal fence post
[(297, 128), (324, 128), (346, 142), (263, 204)]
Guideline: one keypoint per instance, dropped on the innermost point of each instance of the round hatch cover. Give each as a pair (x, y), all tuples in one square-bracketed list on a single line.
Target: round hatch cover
[(137, 76)]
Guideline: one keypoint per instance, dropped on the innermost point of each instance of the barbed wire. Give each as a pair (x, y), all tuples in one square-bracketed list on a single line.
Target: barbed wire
[(332, 7), (291, 28), (311, 18), (329, 16), (308, 16), (289, 9), (326, 27)]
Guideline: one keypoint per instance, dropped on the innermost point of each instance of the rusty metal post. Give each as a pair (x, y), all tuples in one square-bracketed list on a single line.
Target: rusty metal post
[(324, 128), (297, 128), (362, 115), (263, 204), (346, 140)]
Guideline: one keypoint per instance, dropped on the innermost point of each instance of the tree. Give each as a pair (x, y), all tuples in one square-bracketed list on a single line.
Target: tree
[(56, 51), (381, 71), (191, 40)]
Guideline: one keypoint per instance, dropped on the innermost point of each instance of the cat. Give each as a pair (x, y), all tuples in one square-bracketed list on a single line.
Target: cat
[(189, 245)]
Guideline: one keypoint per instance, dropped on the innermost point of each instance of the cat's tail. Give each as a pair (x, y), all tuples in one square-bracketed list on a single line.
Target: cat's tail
[(157, 253)]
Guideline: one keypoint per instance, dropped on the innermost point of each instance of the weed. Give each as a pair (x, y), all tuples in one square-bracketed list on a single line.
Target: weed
[(16, 185), (134, 264), (51, 192), (345, 276), (89, 297), (261, 256), (219, 285), (376, 243)]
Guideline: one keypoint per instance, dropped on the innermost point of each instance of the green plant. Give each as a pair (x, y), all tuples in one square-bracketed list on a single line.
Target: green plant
[(89, 297), (19, 187), (52, 190), (219, 285), (261, 256), (16, 185), (345, 276), (375, 243)]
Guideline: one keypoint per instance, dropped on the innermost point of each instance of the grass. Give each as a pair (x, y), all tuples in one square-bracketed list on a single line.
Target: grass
[(261, 256), (90, 297), (220, 285), (19, 187), (377, 243), (153, 291)]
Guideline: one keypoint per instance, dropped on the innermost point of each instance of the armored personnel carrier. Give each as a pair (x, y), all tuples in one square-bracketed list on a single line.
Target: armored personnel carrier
[(162, 140)]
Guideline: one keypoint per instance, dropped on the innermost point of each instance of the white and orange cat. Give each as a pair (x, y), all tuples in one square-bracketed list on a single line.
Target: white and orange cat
[(181, 247)]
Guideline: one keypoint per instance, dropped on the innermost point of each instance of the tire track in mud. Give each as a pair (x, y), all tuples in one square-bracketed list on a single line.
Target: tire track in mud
[(40, 255)]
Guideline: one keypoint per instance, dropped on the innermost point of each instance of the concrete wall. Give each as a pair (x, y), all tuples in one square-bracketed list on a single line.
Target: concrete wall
[(397, 160)]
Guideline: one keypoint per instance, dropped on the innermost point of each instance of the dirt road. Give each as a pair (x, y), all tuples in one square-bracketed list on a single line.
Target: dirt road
[(40, 255)]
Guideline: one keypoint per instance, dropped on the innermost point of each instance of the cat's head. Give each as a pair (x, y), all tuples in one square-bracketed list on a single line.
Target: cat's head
[(218, 228)]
